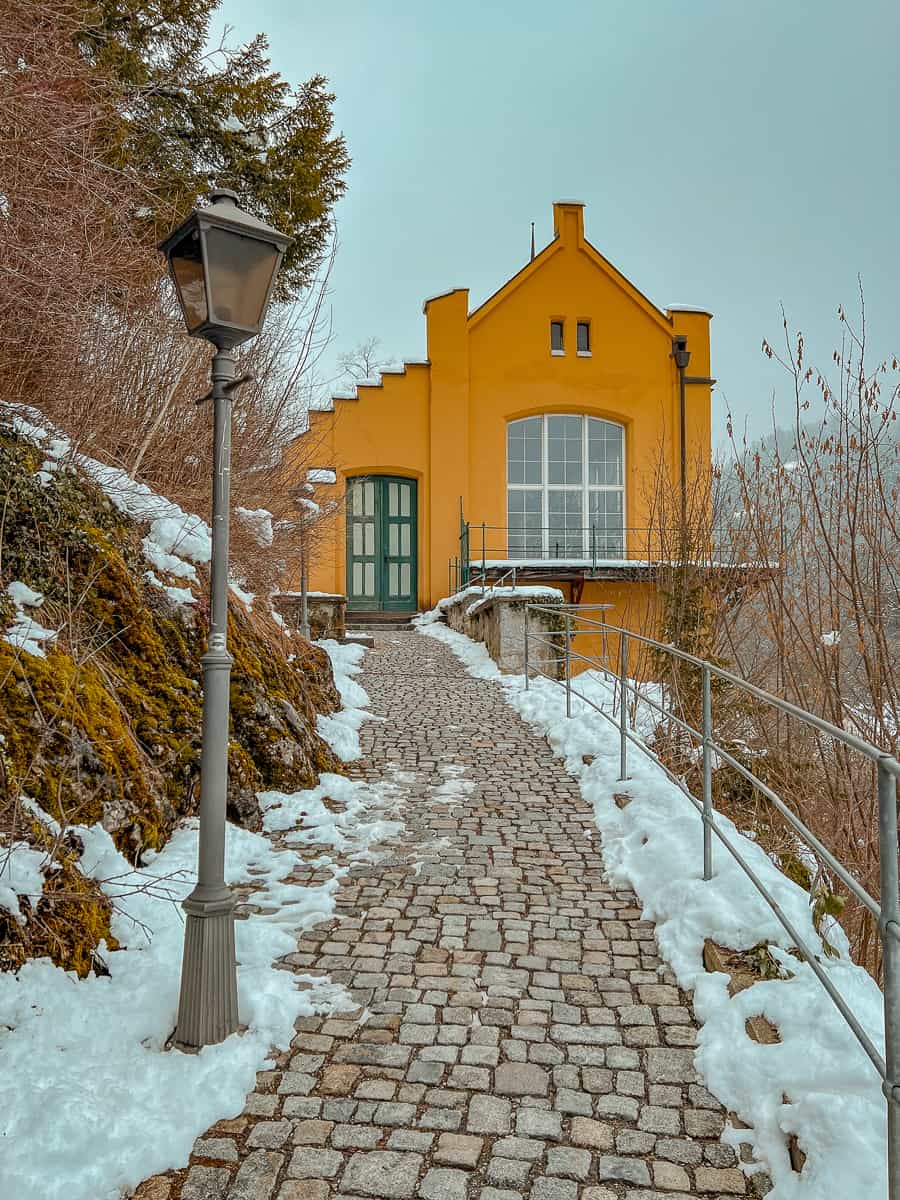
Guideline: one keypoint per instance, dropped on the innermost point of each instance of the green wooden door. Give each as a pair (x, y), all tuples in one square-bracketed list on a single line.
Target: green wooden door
[(381, 544)]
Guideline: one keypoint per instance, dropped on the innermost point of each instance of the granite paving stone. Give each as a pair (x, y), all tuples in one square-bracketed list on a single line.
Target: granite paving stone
[(205, 1183), (515, 1035), (386, 1174), (444, 1183)]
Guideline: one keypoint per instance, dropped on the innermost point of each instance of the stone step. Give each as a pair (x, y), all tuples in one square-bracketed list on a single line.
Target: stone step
[(379, 627), (379, 621), (357, 637)]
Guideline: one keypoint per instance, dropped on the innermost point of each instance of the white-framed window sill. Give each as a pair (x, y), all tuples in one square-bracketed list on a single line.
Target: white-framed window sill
[(584, 354), (558, 353)]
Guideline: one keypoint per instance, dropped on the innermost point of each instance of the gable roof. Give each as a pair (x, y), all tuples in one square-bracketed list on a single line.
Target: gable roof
[(531, 268)]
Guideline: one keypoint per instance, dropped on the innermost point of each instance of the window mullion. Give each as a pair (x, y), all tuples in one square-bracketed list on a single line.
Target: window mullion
[(586, 485), (545, 499)]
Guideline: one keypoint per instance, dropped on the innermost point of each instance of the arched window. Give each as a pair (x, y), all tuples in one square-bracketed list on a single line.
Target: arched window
[(565, 487)]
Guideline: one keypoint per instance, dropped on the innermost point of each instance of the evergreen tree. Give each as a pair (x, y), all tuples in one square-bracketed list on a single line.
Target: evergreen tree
[(187, 117)]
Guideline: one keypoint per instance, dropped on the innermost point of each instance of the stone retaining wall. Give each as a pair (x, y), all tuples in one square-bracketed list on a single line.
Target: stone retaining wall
[(498, 620), (326, 613)]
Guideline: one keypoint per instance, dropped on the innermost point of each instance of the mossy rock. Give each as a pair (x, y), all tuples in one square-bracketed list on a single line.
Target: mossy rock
[(107, 727)]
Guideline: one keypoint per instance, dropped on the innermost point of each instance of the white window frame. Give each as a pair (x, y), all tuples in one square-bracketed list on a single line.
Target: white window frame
[(585, 488)]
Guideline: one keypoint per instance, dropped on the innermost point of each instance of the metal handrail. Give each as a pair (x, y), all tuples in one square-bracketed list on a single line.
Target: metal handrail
[(887, 912), (482, 578)]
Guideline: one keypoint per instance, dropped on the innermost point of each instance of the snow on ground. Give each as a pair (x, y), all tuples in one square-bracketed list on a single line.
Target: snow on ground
[(246, 598), (454, 787), (176, 542), (83, 1064), (473, 655), (341, 729), (817, 1082), (259, 523), (25, 633), (176, 594), (20, 875), (312, 822)]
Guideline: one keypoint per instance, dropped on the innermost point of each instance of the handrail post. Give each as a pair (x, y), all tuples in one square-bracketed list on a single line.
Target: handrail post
[(526, 648), (568, 664), (483, 558), (593, 547), (890, 915), (707, 774), (623, 707)]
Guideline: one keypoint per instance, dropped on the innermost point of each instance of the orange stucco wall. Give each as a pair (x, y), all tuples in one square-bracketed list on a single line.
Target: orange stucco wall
[(444, 422)]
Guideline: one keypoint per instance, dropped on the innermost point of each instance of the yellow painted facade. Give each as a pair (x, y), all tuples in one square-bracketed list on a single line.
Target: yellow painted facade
[(443, 422)]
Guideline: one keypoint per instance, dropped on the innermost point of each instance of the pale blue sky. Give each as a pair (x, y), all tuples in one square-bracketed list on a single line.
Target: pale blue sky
[(737, 156)]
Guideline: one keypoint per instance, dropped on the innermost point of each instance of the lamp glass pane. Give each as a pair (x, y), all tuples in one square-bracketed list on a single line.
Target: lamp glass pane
[(187, 271), (240, 271)]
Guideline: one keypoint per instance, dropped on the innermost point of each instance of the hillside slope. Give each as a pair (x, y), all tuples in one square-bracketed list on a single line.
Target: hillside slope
[(100, 698)]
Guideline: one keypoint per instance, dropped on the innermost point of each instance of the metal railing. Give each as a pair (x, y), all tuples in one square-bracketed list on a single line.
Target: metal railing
[(478, 578), (484, 547), (886, 912)]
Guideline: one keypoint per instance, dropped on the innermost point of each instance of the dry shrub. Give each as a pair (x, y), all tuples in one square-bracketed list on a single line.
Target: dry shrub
[(815, 619), (824, 630), (90, 333)]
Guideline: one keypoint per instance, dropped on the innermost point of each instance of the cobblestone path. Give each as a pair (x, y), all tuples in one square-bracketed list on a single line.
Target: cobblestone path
[(522, 1039)]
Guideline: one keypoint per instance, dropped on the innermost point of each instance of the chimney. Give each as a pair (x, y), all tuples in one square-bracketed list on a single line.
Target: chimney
[(568, 221)]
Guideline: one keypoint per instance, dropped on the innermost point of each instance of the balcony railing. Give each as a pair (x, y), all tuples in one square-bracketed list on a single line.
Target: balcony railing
[(496, 549)]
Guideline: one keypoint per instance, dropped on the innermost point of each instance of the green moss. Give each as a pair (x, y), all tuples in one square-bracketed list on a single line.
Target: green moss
[(107, 727), (796, 869)]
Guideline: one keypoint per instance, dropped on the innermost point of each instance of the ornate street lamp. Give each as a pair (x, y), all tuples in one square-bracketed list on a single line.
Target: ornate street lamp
[(223, 263)]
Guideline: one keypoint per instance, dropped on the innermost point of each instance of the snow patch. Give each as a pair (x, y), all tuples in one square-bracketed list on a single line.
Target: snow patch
[(246, 598), (25, 633), (341, 729), (102, 1039), (176, 594), (259, 522), (454, 787), (176, 543), (309, 820), (20, 875)]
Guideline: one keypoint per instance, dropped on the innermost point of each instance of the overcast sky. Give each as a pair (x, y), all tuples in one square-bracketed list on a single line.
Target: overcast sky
[(737, 156)]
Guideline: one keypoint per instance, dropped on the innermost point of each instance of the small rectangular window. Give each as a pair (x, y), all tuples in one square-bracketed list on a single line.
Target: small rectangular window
[(584, 337), (556, 338)]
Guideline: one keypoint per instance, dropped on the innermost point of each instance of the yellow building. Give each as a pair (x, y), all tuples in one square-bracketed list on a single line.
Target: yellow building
[(534, 425)]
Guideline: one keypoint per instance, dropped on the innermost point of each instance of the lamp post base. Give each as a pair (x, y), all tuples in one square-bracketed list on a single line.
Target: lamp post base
[(207, 1006)]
